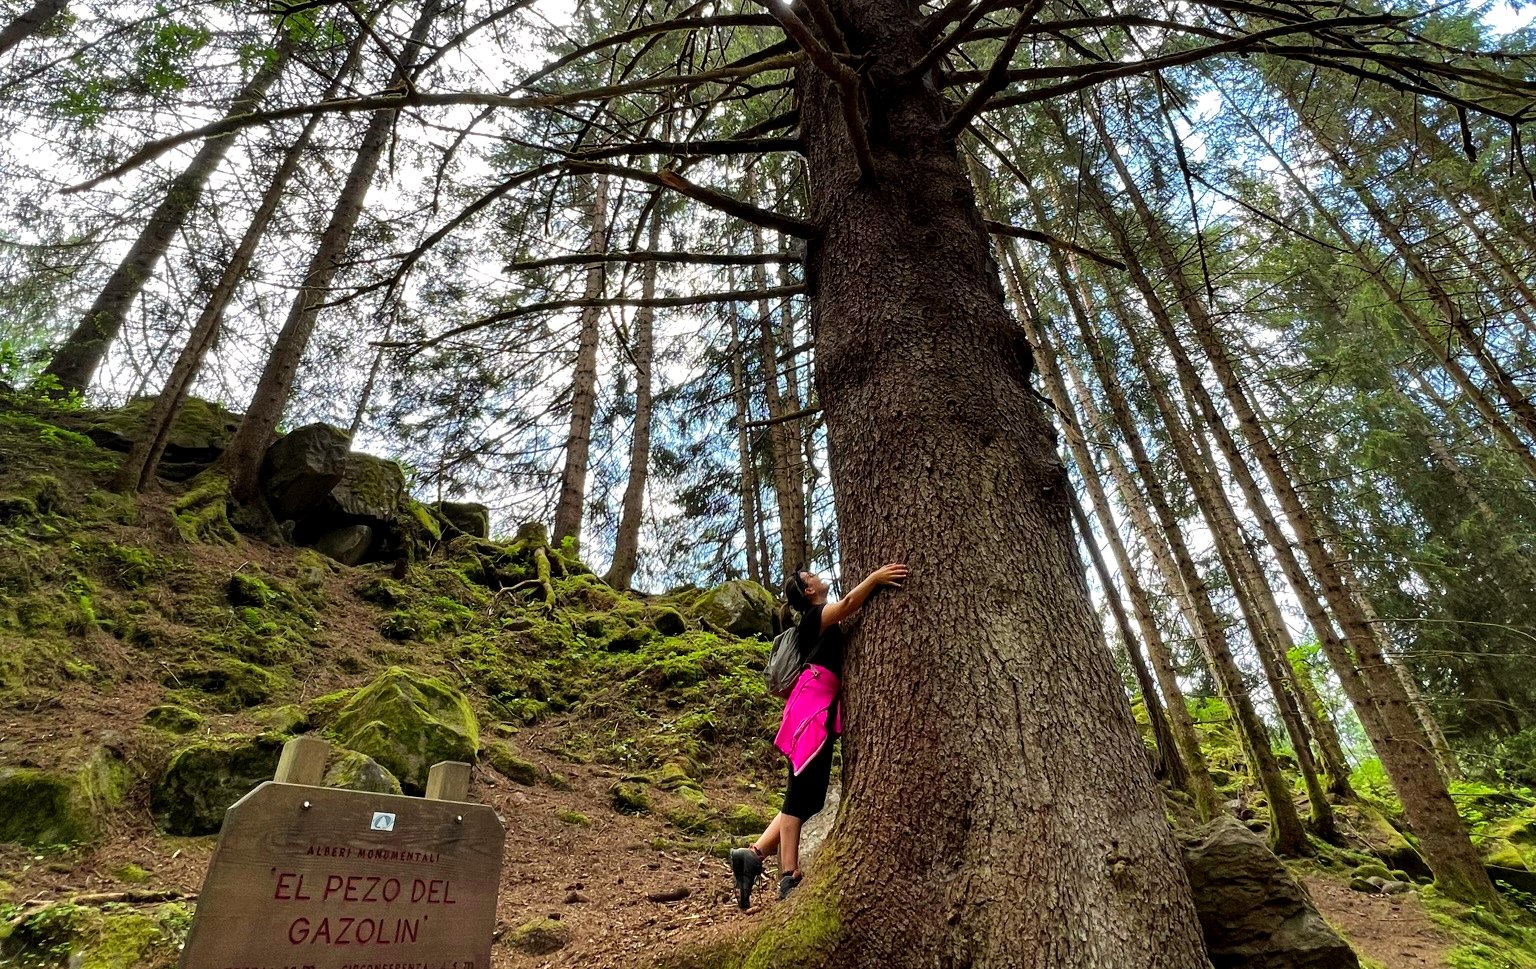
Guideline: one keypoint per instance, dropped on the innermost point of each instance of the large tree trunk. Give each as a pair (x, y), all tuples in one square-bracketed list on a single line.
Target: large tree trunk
[(626, 545), (242, 461), (137, 471), (998, 810), (29, 22), (76, 362), (578, 440)]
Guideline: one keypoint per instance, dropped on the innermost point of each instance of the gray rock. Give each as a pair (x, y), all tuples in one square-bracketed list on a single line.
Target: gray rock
[(369, 488), (1397, 888), (466, 518), (348, 545), (359, 772), (203, 780), (301, 469), (739, 607), (1253, 913)]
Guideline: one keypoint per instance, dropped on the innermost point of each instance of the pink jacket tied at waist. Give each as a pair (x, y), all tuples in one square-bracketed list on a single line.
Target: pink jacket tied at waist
[(804, 730)]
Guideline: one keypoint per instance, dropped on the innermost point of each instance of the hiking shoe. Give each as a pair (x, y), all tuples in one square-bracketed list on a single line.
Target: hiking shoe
[(746, 866), (786, 885)]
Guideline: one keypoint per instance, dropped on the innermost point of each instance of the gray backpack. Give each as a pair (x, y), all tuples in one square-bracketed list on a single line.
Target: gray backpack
[(784, 662)]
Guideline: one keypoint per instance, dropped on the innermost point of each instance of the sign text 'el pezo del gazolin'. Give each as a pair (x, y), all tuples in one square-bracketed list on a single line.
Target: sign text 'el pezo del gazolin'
[(309, 877)]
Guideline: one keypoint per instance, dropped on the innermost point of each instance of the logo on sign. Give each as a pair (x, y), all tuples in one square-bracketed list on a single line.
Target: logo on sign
[(382, 821)]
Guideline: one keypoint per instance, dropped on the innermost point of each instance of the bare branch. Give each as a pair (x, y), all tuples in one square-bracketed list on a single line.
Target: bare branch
[(1034, 235), (730, 205), (643, 256), (997, 76)]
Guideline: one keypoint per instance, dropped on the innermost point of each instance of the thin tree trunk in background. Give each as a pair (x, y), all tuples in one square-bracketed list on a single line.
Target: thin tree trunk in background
[(138, 469), (626, 545), (1286, 832), (783, 438), (29, 22), (794, 402), (1374, 690), (242, 461), (578, 441), (75, 363), (1166, 752), (748, 477)]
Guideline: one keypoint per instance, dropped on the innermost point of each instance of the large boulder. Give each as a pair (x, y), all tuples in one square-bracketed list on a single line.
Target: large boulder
[(407, 722), (301, 469), (52, 807), (370, 490), (203, 780), (740, 607), (466, 518), (1253, 913), (200, 434), (353, 771), (348, 544)]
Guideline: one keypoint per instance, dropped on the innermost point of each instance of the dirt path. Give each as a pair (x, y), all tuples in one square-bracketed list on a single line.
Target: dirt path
[(1393, 930)]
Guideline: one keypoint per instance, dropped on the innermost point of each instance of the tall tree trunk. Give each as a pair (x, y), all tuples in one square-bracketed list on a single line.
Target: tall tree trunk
[(1287, 836), (783, 439), (578, 441), (627, 545), (1271, 638), (137, 471), (76, 362), (29, 22), (242, 461), (1372, 688), (996, 812), (1166, 753), (748, 476)]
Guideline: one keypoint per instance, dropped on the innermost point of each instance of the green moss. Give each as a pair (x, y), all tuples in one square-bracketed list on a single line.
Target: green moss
[(407, 722), (126, 940), (1373, 870), (511, 766), (324, 709), (424, 519), (132, 874), (248, 589), (810, 933), (231, 684), (43, 808), (575, 817), (688, 819), (353, 771), (204, 779), (540, 936), (384, 592), (132, 567), (202, 514), (743, 819), (629, 798), (674, 775), (285, 720)]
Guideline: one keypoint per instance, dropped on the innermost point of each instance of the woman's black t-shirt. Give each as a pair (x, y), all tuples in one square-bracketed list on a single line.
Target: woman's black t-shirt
[(827, 646)]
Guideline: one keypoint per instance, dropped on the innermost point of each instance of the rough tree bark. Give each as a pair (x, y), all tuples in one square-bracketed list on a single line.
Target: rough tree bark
[(998, 812), (75, 363), (578, 441), (29, 22), (626, 545), (242, 461), (137, 471)]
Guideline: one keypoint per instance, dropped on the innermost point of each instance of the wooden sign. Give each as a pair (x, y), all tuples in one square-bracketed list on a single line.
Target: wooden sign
[(318, 878)]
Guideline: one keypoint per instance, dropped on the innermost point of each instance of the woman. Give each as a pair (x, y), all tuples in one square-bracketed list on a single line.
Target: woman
[(812, 721)]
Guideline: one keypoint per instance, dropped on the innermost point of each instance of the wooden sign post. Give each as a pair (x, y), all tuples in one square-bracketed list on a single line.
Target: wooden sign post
[(309, 877)]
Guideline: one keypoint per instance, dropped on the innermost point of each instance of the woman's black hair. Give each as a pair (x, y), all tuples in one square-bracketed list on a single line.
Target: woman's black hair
[(796, 601)]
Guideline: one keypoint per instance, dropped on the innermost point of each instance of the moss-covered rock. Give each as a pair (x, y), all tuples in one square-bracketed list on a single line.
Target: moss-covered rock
[(739, 607), (667, 621), (629, 798), (173, 719), (87, 938), (231, 684), (688, 818), (407, 722), (540, 937), (511, 766), (202, 514), (285, 720), (466, 518), (204, 779), (43, 808), (353, 771), (249, 589), (742, 819)]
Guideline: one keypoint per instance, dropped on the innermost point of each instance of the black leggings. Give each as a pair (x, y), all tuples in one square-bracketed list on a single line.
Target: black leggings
[(806, 793)]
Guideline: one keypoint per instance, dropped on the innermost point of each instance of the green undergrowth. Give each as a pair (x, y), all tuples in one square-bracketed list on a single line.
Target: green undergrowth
[(114, 936), (1485, 939)]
